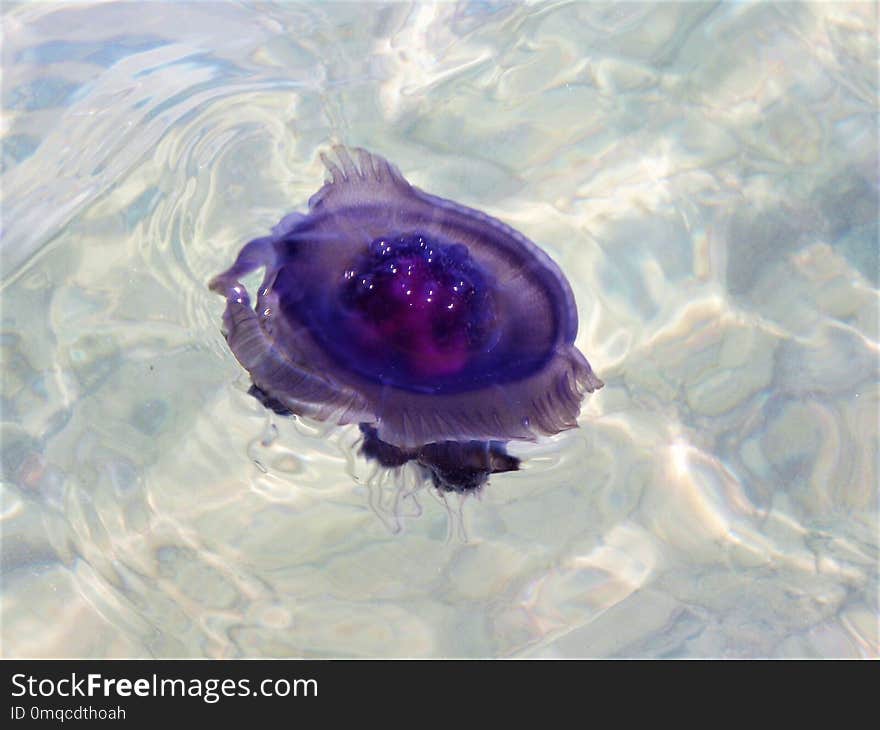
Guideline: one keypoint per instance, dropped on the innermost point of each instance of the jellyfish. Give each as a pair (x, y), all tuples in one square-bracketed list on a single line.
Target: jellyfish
[(442, 331)]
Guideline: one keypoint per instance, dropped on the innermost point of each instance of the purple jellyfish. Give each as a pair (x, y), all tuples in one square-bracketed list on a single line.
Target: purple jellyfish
[(439, 329)]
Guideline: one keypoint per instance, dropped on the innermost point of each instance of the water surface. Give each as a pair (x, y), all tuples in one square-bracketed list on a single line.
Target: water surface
[(706, 176)]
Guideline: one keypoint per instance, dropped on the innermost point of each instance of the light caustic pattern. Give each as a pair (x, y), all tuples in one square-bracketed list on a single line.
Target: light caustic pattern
[(705, 177)]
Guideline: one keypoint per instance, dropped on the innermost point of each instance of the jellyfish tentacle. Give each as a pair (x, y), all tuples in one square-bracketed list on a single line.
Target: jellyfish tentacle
[(369, 180), (584, 375), (257, 253), (349, 169)]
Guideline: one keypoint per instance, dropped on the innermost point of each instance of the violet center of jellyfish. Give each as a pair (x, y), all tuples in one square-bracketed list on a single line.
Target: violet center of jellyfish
[(440, 330)]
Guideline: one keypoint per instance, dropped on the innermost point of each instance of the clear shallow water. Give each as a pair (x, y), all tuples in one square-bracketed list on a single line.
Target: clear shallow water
[(705, 175)]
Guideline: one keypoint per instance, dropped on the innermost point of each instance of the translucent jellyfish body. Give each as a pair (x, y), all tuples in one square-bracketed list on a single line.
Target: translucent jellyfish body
[(423, 319)]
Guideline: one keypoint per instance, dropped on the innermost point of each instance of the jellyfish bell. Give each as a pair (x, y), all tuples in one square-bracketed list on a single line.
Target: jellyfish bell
[(428, 321)]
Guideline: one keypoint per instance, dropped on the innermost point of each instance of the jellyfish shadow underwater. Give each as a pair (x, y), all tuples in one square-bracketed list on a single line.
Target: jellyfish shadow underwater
[(441, 331)]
